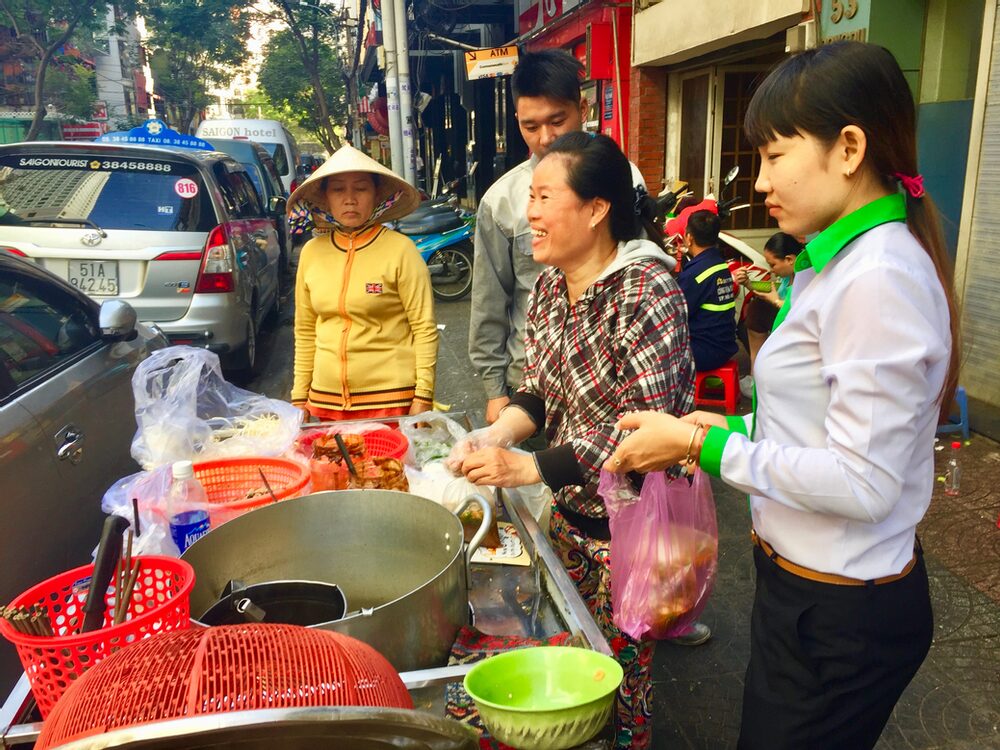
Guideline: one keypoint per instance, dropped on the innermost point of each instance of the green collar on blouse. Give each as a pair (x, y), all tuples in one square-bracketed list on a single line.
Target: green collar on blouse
[(824, 247)]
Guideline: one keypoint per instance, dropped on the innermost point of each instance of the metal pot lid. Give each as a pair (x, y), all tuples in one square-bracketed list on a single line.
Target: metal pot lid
[(292, 729)]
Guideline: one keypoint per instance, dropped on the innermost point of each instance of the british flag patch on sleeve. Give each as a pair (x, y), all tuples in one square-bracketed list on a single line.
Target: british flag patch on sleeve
[(373, 287)]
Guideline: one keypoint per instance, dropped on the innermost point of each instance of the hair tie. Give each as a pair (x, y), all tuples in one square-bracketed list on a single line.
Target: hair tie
[(640, 195), (913, 185)]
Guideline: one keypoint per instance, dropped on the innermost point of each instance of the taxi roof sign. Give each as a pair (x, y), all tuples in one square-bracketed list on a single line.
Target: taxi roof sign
[(155, 133), (490, 63)]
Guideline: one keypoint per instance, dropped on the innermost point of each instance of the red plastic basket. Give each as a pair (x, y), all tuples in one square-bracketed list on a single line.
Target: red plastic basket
[(205, 671), (228, 480), (378, 443), (160, 602), (386, 444)]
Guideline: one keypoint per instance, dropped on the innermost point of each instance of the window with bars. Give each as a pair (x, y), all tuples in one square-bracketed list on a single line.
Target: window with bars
[(738, 88)]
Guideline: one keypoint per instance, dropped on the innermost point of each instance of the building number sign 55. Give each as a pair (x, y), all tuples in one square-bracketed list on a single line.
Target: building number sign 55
[(840, 9)]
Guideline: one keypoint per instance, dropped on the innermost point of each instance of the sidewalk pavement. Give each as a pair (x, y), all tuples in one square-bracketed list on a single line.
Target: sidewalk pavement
[(954, 701)]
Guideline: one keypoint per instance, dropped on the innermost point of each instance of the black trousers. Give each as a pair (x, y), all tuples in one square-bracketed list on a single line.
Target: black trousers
[(828, 662)]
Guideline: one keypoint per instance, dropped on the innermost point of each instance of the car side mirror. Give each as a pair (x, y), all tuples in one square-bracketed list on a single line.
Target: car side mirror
[(277, 205), (117, 321)]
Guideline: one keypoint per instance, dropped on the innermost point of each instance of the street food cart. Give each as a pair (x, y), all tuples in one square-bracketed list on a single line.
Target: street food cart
[(534, 600)]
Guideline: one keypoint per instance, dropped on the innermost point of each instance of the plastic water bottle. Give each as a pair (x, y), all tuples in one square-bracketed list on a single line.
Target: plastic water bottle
[(187, 506), (953, 472)]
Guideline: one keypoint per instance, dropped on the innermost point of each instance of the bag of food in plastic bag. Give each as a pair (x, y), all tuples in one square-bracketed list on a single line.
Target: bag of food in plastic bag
[(431, 436), (664, 552), (186, 411)]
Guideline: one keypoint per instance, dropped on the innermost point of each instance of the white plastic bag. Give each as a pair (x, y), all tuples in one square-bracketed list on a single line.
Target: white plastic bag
[(150, 489), (437, 483), (185, 410), (431, 436)]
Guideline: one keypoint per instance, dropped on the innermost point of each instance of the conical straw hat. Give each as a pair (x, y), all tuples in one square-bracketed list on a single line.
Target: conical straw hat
[(349, 159)]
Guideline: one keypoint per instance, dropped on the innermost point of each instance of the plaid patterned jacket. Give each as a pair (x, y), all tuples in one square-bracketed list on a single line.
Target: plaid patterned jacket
[(622, 347)]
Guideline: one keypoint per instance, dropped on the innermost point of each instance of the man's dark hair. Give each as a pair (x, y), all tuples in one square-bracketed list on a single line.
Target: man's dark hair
[(704, 226), (552, 73)]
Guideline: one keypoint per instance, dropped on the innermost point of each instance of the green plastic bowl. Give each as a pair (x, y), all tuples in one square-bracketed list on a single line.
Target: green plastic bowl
[(545, 698), (760, 286)]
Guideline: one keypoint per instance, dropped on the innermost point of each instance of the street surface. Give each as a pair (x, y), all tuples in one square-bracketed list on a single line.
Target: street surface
[(954, 701)]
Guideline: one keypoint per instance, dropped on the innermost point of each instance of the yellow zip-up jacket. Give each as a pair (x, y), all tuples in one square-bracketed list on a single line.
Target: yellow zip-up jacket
[(365, 333)]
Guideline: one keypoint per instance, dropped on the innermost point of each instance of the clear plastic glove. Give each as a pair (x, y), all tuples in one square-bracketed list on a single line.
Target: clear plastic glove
[(494, 436)]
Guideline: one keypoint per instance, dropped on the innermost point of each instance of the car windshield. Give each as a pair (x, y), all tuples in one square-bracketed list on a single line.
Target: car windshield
[(122, 192)]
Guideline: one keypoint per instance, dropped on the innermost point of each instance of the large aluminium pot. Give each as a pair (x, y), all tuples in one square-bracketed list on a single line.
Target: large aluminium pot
[(400, 560)]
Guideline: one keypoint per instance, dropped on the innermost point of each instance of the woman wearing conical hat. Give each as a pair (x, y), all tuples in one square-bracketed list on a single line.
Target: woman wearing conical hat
[(365, 334)]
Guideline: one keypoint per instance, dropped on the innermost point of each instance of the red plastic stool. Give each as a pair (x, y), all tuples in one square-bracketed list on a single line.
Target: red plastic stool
[(730, 377)]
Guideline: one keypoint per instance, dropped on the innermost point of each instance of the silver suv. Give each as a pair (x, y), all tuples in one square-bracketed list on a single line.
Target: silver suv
[(66, 423), (180, 234)]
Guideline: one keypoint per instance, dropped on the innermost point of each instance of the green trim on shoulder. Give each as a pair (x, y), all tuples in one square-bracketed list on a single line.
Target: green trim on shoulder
[(737, 424), (712, 449), (825, 246)]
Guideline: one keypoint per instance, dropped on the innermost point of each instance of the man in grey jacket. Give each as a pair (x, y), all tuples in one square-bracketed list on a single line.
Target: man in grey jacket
[(548, 103)]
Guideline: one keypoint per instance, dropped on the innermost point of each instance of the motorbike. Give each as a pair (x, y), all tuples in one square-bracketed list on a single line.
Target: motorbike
[(442, 232)]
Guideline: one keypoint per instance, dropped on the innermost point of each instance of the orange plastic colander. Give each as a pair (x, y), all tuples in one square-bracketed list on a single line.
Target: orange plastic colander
[(186, 673)]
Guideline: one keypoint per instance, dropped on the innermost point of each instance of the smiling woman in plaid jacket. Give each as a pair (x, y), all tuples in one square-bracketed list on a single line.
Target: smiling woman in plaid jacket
[(606, 334)]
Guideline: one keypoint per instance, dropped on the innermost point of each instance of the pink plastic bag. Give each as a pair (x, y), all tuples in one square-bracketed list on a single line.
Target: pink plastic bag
[(664, 552)]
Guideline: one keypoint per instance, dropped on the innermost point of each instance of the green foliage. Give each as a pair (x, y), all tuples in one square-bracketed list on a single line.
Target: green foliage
[(196, 44), (127, 123), (72, 88), (286, 84), (40, 28)]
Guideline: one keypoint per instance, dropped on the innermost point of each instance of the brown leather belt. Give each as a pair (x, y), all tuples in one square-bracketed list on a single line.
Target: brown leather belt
[(831, 578)]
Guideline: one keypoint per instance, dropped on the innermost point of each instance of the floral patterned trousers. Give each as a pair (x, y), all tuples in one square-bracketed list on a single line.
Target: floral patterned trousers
[(587, 561)]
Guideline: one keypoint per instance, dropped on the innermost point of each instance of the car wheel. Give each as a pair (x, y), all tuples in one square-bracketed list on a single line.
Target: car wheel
[(246, 362)]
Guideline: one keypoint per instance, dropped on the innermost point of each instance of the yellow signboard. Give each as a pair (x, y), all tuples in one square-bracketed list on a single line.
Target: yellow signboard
[(490, 63)]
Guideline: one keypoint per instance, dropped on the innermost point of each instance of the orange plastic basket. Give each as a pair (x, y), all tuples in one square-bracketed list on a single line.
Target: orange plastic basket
[(386, 444), (226, 668), (227, 481), (378, 443), (160, 602)]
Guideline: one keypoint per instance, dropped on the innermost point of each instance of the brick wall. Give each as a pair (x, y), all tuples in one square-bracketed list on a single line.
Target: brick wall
[(647, 124)]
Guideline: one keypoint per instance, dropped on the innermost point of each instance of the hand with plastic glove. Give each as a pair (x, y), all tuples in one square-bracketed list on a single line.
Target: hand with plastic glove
[(497, 435)]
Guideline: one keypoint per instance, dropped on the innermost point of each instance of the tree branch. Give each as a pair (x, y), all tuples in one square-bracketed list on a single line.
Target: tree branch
[(43, 64)]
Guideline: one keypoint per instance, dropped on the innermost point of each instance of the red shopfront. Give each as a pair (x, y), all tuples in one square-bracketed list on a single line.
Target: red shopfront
[(589, 31)]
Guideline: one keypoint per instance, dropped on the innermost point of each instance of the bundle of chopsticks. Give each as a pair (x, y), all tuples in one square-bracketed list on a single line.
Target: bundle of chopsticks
[(33, 620), (125, 577)]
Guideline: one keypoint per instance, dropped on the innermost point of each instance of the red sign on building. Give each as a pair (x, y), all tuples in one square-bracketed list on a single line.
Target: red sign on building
[(536, 14), (83, 132)]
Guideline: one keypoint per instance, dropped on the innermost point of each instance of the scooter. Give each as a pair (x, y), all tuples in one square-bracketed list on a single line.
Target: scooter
[(443, 232)]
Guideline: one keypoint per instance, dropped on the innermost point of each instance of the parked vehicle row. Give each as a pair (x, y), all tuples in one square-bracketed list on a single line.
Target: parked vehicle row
[(178, 233), (66, 422), (95, 237)]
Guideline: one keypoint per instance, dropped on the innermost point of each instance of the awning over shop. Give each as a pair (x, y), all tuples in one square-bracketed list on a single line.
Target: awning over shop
[(699, 28)]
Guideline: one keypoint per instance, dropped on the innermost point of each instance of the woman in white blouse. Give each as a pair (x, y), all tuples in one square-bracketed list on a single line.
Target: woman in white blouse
[(838, 458)]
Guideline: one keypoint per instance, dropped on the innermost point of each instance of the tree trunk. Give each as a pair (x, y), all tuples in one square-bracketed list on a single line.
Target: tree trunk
[(43, 64), (319, 93)]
